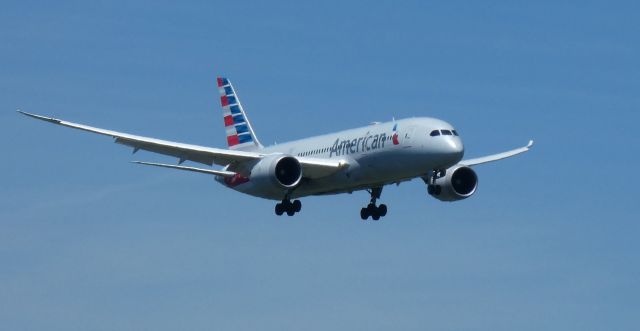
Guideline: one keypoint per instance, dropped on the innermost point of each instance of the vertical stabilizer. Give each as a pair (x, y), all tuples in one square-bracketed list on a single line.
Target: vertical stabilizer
[(240, 134)]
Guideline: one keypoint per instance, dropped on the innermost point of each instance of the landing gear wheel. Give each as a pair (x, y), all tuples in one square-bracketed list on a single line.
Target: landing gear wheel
[(382, 210), (288, 207), (364, 214), (279, 209), (373, 211), (297, 206)]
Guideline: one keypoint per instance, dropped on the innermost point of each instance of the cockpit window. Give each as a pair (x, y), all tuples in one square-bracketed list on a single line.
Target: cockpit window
[(446, 132), (455, 133), (435, 133)]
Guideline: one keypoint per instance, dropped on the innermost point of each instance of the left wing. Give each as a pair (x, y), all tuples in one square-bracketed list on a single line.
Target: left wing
[(312, 168), (200, 154), (499, 156)]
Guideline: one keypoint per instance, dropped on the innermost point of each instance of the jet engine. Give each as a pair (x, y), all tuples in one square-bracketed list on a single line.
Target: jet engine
[(459, 182), (276, 174)]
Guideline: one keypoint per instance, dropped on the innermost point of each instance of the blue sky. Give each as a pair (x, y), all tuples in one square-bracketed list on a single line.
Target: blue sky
[(89, 241)]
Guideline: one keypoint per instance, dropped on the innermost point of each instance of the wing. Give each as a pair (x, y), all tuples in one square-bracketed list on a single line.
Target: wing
[(218, 173), (312, 168), (200, 154), (317, 168), (499, 156)]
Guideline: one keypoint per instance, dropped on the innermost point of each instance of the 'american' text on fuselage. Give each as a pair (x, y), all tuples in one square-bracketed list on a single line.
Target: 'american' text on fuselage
[(355, 145)]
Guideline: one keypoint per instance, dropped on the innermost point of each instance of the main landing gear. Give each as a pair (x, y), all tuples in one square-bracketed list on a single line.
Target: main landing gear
[(286, 206), (371, 209)]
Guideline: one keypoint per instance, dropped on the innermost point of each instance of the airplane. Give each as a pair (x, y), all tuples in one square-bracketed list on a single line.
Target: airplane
[(364, 158)]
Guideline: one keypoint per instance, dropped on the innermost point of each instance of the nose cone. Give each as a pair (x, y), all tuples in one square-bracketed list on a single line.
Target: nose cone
[(455, 149)]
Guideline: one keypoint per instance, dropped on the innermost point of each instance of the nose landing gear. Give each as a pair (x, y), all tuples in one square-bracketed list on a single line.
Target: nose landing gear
[(432, 187), (371, 210)]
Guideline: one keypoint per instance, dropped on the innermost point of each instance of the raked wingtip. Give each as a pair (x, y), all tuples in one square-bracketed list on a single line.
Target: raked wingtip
[(39, 117)]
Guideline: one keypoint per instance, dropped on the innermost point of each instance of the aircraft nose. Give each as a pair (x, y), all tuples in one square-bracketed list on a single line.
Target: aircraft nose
[(455, 148)]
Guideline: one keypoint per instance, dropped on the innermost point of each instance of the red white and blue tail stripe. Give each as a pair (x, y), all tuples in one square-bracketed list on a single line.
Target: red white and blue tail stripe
[(240, 134)]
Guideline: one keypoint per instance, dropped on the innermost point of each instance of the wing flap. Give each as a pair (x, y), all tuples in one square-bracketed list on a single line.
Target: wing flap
[(499, 156), (195, 153)]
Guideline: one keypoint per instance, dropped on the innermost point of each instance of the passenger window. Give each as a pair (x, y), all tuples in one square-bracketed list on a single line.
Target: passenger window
[(446, 132), (434, 133)]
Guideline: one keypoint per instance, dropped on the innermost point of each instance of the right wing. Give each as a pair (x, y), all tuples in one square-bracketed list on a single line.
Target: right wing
[(499, 156), (200, 154)]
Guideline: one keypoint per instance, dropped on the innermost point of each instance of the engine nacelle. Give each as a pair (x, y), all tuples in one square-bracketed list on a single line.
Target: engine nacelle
[(459, 182), (274, 175)]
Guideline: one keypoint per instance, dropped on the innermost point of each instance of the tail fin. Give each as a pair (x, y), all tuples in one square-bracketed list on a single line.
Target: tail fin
[(240, 134)]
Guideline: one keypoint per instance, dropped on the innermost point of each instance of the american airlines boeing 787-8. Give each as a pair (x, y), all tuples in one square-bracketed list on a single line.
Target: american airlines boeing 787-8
[(365, 158)]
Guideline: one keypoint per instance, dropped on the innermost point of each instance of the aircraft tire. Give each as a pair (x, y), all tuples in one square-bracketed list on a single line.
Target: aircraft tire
[(382, 210), (364, 213), (297, 206), (279, 209)]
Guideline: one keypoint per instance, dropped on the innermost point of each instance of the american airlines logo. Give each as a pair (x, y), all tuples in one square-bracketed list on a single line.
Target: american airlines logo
[(394, 138), (366, 143)]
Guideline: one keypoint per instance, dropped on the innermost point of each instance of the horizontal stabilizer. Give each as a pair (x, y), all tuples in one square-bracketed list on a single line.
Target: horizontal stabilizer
[(219, 173)]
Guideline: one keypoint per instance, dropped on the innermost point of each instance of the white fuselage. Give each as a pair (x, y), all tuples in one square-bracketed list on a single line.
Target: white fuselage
[(377, 154)]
